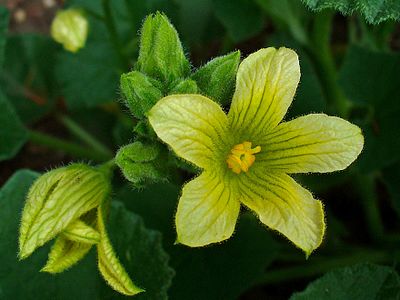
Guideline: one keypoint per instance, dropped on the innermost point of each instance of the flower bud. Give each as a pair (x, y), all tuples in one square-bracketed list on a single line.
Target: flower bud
[(70, 28), (56, 200), (161, 54), (141, 163)]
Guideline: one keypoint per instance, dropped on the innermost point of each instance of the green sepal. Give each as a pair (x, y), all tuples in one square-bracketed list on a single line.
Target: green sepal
[(161, 54), (56, 200), (216, 79), (187, 86), (80, 232), (140, 92), (141, 163), (64, 254), (109, 265)]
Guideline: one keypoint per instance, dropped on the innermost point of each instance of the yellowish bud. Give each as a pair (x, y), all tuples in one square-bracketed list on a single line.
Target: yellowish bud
[(70, 28)]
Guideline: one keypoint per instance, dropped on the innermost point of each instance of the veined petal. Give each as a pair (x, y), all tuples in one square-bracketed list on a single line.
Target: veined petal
[(193, 125), (313, 143), (207, 211), (285, 206), (265, 87)]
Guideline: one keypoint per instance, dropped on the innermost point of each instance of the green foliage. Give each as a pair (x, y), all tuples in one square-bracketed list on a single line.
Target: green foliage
[(89, 77), (242, 18), (373, 11), (370, 79), (141, 163), (139, 249), (13, 134), (359, 282), (28, 77), (216, 79), (161, 55)]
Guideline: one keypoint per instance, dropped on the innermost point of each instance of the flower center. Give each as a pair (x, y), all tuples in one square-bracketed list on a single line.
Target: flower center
[(242, 157)]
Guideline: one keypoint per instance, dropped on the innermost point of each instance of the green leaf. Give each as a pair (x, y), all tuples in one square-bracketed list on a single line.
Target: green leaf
[(222, 271), (161, 54), (358, 282), (216, 79), (139, 249), (373, 11), (13, 134), (140, 92), (4, 18), (89, 77), (241, 18), (288, 15), (28, 76), (370, 79)]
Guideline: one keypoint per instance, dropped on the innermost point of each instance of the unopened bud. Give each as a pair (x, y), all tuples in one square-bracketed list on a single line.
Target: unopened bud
[(70, 28), (56, 200)]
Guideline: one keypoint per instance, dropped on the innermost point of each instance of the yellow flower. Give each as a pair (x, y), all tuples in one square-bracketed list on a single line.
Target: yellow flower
[(246, 156)]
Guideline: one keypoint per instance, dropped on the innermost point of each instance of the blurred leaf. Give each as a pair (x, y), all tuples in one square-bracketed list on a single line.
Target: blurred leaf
[(391, 177), (373, 11), (372, 79), (289, 15), (358, 282), (90, 77), (12, 132), (220, 271), (139, 249), (195, 17), (28, 75), (242, 18), (4, 18)]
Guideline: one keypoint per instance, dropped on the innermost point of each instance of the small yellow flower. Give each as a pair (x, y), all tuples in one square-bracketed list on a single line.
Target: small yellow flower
[(247, 155), (70, 28)]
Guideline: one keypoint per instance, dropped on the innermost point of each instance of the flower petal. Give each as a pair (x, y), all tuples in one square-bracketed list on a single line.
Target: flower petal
[(283, 205), (193, 125), (207, 211), (313, 143), (265, 87)]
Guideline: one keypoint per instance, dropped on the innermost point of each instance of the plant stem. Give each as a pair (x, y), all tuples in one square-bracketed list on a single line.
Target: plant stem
[(72, 149), (112, 30), (319, 266), (321, 53), (82, 134), (365, 184)]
